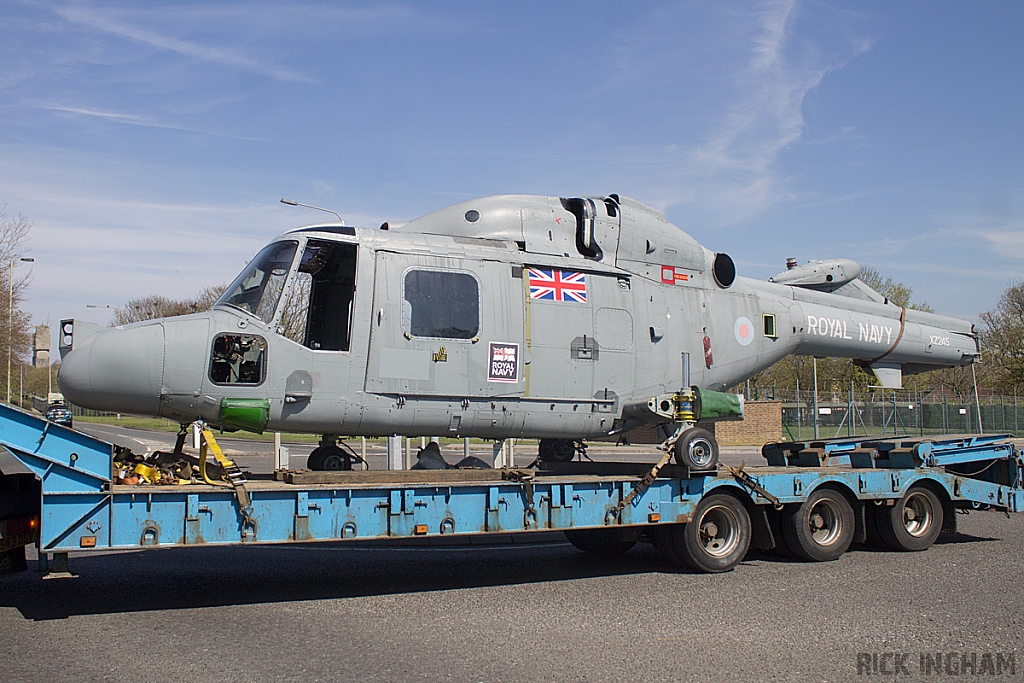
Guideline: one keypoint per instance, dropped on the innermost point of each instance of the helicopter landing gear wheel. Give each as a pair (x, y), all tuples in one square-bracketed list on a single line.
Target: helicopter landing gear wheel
[(697, 449), (333, 457), (315, 459), (556, 450)]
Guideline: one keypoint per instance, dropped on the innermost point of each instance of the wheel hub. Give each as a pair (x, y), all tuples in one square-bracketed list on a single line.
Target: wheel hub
[(700, 453), (825, 522), (719, 533), (917, 515)]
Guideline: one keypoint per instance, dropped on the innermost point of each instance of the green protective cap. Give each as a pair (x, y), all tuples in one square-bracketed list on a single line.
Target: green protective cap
[(717, 405), (250, 414)]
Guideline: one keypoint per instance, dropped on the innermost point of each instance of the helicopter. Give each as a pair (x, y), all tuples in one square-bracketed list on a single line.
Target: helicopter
[(510, 316)]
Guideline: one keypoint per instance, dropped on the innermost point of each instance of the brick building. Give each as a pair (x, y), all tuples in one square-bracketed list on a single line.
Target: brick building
[(761, 423)]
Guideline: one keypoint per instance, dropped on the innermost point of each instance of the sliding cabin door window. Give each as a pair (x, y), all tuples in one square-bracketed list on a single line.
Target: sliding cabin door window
[(440, 304)]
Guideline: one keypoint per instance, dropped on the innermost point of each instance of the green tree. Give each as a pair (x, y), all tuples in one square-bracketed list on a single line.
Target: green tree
[(896, 292), (1002, 337)]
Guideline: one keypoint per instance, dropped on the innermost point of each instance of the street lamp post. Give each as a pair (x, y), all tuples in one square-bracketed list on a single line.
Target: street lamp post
[(292, 202), (10, 319)]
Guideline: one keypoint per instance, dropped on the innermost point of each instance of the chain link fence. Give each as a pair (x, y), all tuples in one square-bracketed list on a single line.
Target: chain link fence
[(897, 413)]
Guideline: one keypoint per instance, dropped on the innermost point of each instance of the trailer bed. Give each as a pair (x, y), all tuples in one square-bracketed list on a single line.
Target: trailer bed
[(79, 508)]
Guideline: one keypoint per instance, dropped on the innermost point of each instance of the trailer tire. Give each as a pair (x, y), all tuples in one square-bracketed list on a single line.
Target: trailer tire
[(13, 561), (718, 536), (697, 449), (662, 536), (873, 537), (914, 522), (821, 528), (776, 521), (603, 541)]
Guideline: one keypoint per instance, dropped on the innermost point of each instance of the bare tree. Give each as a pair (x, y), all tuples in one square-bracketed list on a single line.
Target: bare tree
[(16, 327), (156, 306), (296, 309)]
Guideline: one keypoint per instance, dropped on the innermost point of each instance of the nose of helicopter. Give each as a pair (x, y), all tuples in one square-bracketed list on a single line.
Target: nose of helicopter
[(116, 370)]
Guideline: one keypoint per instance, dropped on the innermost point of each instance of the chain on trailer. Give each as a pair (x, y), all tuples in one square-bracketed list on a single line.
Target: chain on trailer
[(526, 478), (748, 481)]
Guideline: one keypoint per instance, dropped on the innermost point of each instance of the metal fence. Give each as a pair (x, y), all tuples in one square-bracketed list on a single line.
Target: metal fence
[(898, 413)]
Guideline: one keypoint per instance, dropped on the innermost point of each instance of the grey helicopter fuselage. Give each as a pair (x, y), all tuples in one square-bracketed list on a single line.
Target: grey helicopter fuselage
[(508, 316)]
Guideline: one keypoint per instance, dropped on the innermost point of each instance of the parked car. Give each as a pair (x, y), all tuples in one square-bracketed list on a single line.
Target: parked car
[(59, 413)]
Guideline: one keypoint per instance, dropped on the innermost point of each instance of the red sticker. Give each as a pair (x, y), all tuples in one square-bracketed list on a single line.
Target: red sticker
[(669, 276)]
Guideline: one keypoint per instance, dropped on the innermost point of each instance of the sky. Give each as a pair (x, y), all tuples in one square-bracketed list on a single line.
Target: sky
[(150, 143)]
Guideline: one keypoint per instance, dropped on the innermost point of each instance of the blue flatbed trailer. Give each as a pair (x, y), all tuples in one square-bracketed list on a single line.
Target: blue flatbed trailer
[(813, 498)]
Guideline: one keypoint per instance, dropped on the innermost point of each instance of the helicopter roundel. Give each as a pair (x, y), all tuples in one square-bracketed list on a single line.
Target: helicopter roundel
[(744, 331)]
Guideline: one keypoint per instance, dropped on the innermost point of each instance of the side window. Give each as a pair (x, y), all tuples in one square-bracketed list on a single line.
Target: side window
[(440, 303), (318, 313), (238, 359)]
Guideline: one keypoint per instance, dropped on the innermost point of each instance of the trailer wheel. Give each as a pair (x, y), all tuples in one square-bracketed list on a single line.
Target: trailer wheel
[(821, 528), (697, 449), (914, 522), (13, 561), (603, 541), (556, 450), (717, 538)]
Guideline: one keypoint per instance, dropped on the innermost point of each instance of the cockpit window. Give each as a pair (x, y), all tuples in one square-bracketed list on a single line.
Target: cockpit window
[(258, 288), (318, 313), (238, 359)]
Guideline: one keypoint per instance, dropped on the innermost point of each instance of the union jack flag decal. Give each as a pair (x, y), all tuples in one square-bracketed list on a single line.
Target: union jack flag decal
[(558, 285)]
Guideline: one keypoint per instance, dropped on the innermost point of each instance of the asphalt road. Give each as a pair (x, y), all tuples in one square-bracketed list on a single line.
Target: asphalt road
[(517, 611)]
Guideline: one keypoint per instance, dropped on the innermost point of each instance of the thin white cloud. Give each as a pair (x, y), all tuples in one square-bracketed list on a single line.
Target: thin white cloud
[(764, 119), (97, 246), (135, 120), (110, 116), (1000, 230), (768, 45), (97, 20), (756, 68), (1009, 242)]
